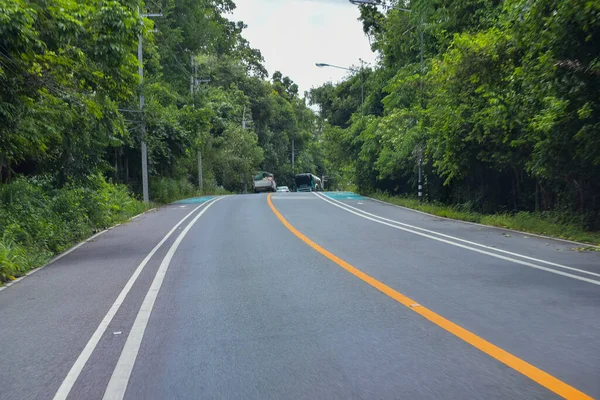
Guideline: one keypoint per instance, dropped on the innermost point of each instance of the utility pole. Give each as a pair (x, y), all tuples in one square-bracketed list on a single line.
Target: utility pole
[(293, 155), (192, 77), (193, 84), (244, 118), (362, 85), (420, 179), (420, 190), (143, 122), (193, 88), (200, 183)]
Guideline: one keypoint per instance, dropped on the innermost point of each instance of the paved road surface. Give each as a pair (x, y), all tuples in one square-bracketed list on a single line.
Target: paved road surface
[(308, 297)]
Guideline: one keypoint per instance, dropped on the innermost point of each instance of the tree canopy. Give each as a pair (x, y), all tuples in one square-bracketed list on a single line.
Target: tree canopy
[(69, 95), (504, 110)]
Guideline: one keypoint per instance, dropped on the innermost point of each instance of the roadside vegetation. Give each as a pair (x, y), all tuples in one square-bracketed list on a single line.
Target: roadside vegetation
[(503, 113), (38, 220), (70, 124), (564, 225)]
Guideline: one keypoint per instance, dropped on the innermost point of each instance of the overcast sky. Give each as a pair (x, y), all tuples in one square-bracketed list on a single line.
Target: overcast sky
[(293, 35)]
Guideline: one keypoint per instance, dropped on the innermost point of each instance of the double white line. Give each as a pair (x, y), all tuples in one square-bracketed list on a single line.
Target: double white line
[(120, 377), (467, 244)]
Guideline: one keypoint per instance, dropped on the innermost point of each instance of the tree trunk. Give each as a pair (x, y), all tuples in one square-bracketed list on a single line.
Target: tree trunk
[(517, 188), (537, 207), (1, 167), (9, 170)]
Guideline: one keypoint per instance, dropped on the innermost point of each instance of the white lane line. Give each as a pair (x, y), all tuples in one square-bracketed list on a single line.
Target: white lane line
[(486, 226), (468, 241), (56, 258), (120, 377), (64, 253), (528, 264), (71, 378)]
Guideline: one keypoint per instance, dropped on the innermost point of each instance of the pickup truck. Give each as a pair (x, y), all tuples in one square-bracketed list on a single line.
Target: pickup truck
[(264, 182)]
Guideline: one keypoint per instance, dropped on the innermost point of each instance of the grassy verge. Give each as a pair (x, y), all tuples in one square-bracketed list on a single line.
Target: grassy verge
[(38, 221), (555, 224), (166, 190)]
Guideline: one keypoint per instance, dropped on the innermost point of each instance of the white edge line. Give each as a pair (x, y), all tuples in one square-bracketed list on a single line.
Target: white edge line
[(64, 253), (577, 277), (468, 241), (73, 374), (119, 380), (54, 259), (487, 226)]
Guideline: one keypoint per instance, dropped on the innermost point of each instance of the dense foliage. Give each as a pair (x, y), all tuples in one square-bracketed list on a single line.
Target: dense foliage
[(69, 100), (38, 220), (70, 118), (504, 111)]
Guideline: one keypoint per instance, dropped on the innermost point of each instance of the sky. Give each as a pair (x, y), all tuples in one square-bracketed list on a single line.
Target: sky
[(293, 35)]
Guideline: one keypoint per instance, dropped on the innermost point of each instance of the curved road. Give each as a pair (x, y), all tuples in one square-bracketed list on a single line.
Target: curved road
[(303, 295)]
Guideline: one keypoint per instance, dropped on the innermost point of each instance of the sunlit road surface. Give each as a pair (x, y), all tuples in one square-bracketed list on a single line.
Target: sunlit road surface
[(305, 296)]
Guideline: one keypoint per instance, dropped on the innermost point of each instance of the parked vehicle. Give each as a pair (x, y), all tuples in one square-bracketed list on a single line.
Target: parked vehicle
[(264, 182), (283, 189), (308, 183)]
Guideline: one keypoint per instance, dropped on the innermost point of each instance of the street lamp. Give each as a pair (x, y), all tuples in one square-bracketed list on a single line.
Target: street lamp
[(321, 65), (374, 3), (362, 83)]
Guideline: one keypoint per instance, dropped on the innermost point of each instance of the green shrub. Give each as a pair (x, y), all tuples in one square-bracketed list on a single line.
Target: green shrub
[(38, 220), (166, 190)]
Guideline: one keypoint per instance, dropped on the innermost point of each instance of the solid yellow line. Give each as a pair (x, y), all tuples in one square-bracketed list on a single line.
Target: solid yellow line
[(543, 378)]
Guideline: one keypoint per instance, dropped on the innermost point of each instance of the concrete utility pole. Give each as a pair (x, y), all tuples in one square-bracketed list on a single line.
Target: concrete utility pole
[(193, 88), (193, 78), (293, 155), (143, 123), (362, 85), (244, 118), (200, 182)]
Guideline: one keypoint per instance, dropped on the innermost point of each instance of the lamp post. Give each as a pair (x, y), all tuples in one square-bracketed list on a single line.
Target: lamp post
[(374, 3), (362, 83)]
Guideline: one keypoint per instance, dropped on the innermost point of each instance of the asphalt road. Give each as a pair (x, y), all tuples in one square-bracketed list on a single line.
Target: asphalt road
[(304, 296)]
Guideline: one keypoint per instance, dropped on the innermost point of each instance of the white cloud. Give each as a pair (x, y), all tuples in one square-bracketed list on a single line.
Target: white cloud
[(293, 35)]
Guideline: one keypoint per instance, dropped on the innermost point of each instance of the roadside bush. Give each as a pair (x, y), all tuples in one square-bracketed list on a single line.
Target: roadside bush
[(37, 220), (166, 190)]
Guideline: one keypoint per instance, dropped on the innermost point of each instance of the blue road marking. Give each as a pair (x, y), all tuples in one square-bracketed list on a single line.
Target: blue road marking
[(194, 200), (343, 195)]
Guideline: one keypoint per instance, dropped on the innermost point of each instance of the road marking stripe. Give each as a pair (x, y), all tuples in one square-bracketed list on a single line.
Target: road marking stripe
[(117, 386), (537, 375), (486, 226), (528, 264), (459, 239), (75, 371)]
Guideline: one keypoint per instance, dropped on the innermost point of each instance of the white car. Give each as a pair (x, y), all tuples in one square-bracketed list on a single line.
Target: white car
[(283, 189)]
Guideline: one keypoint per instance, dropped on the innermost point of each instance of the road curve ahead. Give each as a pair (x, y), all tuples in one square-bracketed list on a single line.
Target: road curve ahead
[(305, 296)]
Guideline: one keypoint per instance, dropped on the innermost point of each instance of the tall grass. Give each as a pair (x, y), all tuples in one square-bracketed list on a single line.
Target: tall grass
[(167, 190), (562, 225), (38, 220)]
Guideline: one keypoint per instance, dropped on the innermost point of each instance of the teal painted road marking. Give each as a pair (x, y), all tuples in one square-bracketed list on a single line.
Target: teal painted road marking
[(343, 195), (195, 200)]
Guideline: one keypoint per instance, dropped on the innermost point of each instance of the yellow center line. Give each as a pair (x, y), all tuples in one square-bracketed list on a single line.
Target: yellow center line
[(537, 375)]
